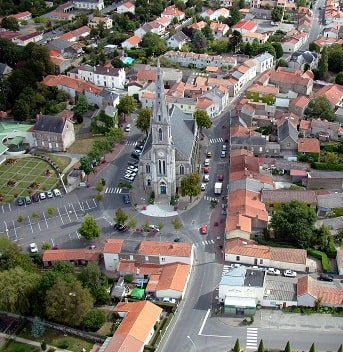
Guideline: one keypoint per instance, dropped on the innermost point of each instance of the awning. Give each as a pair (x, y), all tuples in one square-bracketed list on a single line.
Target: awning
[(17, 140), (241, 302), (137, 293)]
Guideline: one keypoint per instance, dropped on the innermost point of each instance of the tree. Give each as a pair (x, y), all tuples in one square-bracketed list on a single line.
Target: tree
[(340, 348), (10, 23), (143, 120), (86, 165), (207, 31), (319, 105), (21, 110), (199, 41), (335, 60), (323, 64), (314, 47), (102, 123), (9, 52), (288, 347), (313, 348), (81, 107), (114, 135), (94, 319), (177, 224), (132, 221), (236, 348), (120, 216), (277, 14), (202, 119), (241, 4), (190, 186), (235, 17), (339, 78), (92, 278), (65, 268), (89, 228), (261, 346), (294, 223), (126, 106), (68, 303), (323, 240), (153, 44), (235, 41), (17, 287), (45, 246), (278, 50), (38, 327)]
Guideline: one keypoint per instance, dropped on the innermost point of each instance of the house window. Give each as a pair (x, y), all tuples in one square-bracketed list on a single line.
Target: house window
[(288, 144), (261, 261), (159, 166), (159, 117), (146, 258), (160, 134), (182, 170), (238, 258), (164, 167), (147, 168), (163, 259)]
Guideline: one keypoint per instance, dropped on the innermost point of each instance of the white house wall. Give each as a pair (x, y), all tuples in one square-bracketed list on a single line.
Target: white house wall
[(169, 293), (240, 291), (111, 261), (276, 303)]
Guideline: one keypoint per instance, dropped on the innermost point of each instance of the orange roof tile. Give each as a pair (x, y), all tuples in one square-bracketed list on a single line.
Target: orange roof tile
[(133, 267), (173, 277), (113, 245), (243, 24), (204, 103), (247, 248), (332, 92), (166, 248), (308, 145), (51, 255), (305, 124), (134, 40), (288, 255)]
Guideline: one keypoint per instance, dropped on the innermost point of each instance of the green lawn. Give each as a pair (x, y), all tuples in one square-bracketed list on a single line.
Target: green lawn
[(57, 339), (13, 346), (23, 173)]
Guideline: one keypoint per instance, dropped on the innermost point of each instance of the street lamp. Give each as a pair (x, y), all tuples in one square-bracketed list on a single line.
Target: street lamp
[(270, 319), (189, 338)]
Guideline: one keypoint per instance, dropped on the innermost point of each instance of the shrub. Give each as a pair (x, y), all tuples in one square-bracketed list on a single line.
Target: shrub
[(38, 328), (94, 319), (320, 255), (63, 344), (236, 348), (128, 278)]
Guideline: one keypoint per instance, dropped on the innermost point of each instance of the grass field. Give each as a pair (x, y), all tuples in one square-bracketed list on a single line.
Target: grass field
[(57, 339), (17, 178), (83, 145), (13, 346)]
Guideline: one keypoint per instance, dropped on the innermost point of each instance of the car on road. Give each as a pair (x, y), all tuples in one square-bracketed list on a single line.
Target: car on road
[(203, 229), (28, 200), (120, 227), (128, 128), (223, 154), (154, 228), (206, 178), (273, 271), (209, 155), (206, 169), (135, 155), (289, 273), (207, 162), (133, 163), (132, 168), (33, 247), (177, 239), (220, 177), (325, 277), (169, 300), (42, 196), (129, 177), (224, 147), (126, 199), (49, 194), (131, 172), (57, 192), (20, 201), (203, 186)]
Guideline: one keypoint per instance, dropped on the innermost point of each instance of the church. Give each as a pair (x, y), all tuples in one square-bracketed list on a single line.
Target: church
[(171, 151)]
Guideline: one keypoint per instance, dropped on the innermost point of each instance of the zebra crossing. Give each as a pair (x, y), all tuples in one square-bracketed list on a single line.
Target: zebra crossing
[(226, 268), (203, 243), (216, 199), (134, 143), (216, 140), (113, 190), (252, 335)]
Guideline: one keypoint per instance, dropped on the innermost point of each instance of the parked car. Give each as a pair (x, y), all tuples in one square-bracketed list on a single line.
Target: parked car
[(169, 300), (20, 201), (325, 277), (208, 154), (154, 228), (273, 271), (206, 169), (120, 227), (223, 154), (203, 229), (129, 177), (132, 168), (203, 186), (42, 196), (35, 198), (224, 147), (206, 178), (135, 155), (289, 273), (33, 247), (207, 162), (57, 192), (220, 177), (126, 199), (128, 128), (177, 239), (49, 194), (132, 163), (28, 200)]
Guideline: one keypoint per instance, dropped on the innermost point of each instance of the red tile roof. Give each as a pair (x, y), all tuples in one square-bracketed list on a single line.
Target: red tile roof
[(247, 25), (51, 255), (174, 276), (308, 145), (165, 248), (113, 245)]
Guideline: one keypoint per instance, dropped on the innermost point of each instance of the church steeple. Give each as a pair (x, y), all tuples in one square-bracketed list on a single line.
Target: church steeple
[(160, 110)]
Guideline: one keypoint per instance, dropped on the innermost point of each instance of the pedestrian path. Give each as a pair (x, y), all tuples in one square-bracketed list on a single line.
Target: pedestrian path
[(203, 243), (113, 190), (252, 336), (216, 140), (134, 143), (211, 198)]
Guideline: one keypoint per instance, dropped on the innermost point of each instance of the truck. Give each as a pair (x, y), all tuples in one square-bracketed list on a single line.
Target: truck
[(218, 188)]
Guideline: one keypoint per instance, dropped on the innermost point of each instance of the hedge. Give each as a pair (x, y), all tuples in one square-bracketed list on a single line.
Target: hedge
[(319, 255), (327, 166)]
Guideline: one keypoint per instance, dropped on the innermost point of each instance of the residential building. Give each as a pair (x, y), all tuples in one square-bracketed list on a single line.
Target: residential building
[(178, 40), (243, 251), (22, 16), (249, 37), (132, 42), (25, 39), (298, 105), (333, 93), (244, 26), (332, 180), (326, 203), (95, 21), (171, 12), (308, 149), (137, 327), (79, 257), (111, 251), (53, 133), (264, 62), (171, 149), (288, 138), (126, 7), (219, 30), (101, 76)]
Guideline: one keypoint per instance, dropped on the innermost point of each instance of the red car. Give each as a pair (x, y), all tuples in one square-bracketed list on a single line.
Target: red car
[(220, 177), (203, 229), (206, 169)]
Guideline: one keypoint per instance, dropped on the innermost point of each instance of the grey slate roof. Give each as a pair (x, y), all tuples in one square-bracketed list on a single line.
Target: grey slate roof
[(285, 195), (330, 201), (59, 44), (249, 141), (180, 37), (130, 247), (53, 124), (287, 129)]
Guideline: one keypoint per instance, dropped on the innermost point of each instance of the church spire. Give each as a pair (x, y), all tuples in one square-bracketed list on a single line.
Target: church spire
[(160, 110)]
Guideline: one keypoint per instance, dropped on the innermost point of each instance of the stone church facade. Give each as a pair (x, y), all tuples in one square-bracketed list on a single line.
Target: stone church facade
[(172, 147)]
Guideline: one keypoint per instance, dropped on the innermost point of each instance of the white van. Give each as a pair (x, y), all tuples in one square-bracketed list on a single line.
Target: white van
[(57, 193), (128, 128)]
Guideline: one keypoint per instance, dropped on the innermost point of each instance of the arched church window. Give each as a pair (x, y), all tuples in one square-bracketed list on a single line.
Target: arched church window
[(160, 134), (182, 170), (147, 168)]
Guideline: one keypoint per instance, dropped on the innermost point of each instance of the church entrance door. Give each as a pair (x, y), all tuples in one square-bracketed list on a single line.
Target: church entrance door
[(163, 189)]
